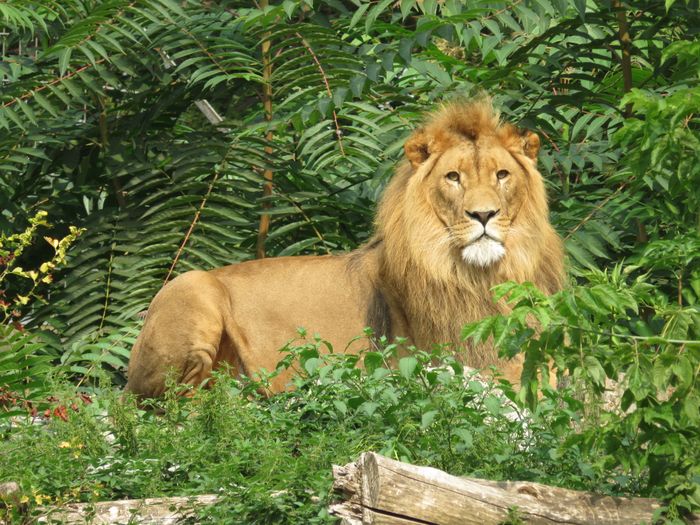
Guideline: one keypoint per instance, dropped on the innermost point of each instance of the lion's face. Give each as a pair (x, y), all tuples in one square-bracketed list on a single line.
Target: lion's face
[(477, 184), (476, 189)]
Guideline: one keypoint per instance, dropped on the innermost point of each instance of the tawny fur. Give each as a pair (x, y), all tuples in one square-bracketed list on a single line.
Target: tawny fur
[(411, 279)]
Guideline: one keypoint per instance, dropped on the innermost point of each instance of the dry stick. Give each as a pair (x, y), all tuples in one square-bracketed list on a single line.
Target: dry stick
[(55, 81), (595, 210), (264, 227), (338, 132), (192, 225)]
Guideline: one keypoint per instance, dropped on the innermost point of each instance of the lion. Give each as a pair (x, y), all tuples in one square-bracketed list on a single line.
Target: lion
[(465, 210)]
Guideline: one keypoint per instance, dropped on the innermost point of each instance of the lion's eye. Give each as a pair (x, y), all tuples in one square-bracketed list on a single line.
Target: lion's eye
[(502, 174), (453, 176)]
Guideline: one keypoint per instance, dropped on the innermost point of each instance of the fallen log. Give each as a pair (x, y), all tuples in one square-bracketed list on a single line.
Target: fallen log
[(380, 491), (143, 511)]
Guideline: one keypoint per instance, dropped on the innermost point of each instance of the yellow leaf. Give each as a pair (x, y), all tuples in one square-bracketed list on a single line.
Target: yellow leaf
[(23, 299), (64, 444), (53, 242)]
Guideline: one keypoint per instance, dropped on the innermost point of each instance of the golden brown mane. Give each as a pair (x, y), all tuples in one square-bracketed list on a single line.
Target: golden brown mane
[(439, 293)]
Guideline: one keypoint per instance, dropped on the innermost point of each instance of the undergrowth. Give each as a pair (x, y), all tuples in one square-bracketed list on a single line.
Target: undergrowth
[(269, 458)]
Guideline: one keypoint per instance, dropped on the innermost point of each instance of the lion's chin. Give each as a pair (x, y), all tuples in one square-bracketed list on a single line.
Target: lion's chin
[(483, 252)]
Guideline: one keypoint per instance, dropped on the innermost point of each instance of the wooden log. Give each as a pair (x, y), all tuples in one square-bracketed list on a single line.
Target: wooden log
[(162, 511), (380, 491), (9, 493)]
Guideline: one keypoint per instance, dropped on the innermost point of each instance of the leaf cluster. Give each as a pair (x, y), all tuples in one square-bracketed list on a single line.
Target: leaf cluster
[(632, 358)]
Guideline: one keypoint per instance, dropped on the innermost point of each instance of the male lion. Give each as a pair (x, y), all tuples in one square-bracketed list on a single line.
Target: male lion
[(466, 210)]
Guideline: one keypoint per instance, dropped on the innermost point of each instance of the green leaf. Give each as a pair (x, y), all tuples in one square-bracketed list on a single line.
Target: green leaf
[(428, 418), (683, 369), (340, 407), (372, 361), (493, 404), (595, 370), (359, 13), (408, 366), (465, 436)]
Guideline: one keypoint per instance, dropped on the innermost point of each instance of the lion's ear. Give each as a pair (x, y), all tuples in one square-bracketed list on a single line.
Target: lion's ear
[(417, 148), (531, 144)]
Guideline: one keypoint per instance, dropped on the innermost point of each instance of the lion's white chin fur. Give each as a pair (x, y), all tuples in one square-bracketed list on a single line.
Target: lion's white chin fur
[(483, 252)]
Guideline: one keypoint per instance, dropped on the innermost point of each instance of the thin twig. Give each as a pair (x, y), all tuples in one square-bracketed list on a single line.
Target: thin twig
[(204, 49), (108, 22), (595, 210), (31, 93), (501, 11), (87, 38), (641, 338), (554, 144), (191, 228), (338, 131), (108, 287), (307, 219)]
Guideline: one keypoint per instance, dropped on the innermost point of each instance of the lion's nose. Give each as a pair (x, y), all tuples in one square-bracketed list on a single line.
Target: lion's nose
[(482, 216)]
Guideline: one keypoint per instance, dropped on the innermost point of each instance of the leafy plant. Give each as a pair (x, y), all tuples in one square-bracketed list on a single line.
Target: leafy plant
[(14, 298), (23, 362), (597, 336)]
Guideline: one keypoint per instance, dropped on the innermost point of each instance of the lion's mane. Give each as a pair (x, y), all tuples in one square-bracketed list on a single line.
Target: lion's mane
[(439, 293)]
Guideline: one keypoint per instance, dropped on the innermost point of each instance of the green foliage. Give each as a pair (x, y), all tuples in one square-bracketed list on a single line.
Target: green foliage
[(24, 362), (269, 458), (100, 126), (14, 298), (24, 366), (610, 333)]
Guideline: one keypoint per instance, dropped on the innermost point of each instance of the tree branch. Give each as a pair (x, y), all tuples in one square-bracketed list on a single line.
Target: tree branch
[(264, 227)]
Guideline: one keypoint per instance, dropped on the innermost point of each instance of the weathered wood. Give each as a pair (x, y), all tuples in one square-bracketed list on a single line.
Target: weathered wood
[(380, 491), (9, 493), (160, 511)]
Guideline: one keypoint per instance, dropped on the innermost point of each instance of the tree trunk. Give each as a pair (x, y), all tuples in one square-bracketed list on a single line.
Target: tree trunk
[(264, 226), (380, 491)]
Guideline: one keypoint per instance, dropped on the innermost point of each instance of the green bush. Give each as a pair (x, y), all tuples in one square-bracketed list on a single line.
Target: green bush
[(270, 457)]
